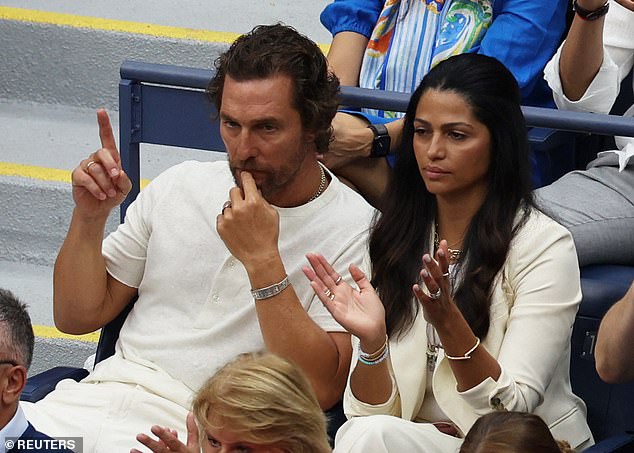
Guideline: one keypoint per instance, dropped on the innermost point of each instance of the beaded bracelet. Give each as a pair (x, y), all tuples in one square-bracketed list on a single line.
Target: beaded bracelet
[(467, 355), (377, 361), (375, 357)]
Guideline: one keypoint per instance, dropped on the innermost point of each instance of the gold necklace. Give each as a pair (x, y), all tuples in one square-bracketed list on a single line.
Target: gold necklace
[(454, 254), (322, 184)]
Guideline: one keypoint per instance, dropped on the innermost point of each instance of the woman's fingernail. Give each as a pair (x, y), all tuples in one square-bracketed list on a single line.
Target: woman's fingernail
[(424, 273), (427, 258), (441, 252)]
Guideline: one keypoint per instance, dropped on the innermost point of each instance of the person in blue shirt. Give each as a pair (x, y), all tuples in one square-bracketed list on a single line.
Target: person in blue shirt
[(391, 44)]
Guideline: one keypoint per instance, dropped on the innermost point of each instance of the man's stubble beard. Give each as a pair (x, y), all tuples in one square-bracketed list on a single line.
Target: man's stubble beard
[(274, 181)]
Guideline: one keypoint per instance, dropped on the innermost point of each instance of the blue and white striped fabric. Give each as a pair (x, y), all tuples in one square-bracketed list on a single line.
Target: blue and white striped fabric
[(411, 36)]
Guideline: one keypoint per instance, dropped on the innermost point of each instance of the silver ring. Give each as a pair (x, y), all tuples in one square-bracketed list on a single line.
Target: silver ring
[(338, 280), (331, 297), (445, 275), (89, 164), (435, 295), (225, 205), (327, 292)]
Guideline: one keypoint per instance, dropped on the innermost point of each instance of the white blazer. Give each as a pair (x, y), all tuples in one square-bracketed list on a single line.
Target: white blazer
[(535, 299)]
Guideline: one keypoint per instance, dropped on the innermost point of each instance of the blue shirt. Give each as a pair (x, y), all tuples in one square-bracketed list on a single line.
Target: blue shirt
[(523, 35)]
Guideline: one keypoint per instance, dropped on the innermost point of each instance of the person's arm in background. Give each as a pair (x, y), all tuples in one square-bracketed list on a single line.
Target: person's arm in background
[(582, 52), (346, 55), (524, 36), (351, 23), (348, 154), (614, 353), (607, 60)]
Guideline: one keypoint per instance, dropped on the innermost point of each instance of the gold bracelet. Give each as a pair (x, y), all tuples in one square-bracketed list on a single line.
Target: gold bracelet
[(467, 355)]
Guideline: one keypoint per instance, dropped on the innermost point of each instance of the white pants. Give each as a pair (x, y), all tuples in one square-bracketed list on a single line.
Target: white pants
[(108, 415), (387, 434)]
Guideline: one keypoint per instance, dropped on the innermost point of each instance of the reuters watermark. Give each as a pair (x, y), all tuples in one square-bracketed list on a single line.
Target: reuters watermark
[(62, 444)]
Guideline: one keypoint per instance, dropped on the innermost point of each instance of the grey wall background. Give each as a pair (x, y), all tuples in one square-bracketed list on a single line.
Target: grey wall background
[(80, 66)]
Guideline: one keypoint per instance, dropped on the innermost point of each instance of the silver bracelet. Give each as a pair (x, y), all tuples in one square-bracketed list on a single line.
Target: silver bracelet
[(467, 355), (270, 291)]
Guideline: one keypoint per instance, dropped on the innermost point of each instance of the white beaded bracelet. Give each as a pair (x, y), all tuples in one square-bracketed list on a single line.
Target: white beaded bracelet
[(375, 361), (270, 291), (467, 355)]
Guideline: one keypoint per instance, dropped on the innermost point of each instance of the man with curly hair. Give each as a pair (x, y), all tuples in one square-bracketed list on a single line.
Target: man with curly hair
[(214, 251)]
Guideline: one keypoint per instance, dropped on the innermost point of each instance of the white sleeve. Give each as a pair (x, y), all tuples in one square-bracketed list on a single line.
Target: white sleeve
[(618, 56), (543, 279), (125, 250)]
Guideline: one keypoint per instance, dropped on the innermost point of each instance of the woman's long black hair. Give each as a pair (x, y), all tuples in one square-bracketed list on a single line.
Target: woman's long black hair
[(401, 235)]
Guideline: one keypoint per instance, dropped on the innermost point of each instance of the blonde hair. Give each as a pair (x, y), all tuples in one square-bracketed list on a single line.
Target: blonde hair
[(512, 432), (267, 401)]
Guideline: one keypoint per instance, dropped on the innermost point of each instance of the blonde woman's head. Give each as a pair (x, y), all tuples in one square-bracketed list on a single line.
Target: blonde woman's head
[(262, 403)]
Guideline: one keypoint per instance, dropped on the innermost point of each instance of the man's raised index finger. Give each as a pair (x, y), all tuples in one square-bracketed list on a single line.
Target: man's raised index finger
[(105, 132)]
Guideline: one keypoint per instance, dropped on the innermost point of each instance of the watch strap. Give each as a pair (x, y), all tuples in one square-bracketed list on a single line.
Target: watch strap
[(590, 14), (381, 143)]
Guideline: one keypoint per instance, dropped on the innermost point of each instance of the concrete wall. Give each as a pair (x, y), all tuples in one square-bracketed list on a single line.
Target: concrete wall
[(235, 16), (80, 67), (35, 218)]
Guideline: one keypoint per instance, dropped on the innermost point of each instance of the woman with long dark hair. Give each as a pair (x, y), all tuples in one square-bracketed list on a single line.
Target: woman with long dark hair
[(483, 321)]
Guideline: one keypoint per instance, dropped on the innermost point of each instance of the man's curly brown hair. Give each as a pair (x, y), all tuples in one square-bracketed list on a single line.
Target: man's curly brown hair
[(270, 50)]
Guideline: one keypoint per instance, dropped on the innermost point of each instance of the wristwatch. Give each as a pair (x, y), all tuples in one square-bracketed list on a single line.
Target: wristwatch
[(381, 143), (590, 14)]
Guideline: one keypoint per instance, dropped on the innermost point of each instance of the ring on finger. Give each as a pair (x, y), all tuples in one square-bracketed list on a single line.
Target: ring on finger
[(331, 297), (338, 280), (92, 162), (445, 275), (225, 205), (327, 292), (435, 295)]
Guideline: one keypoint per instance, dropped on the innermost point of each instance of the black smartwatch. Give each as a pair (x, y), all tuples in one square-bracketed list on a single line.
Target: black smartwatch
[(381, 143), (590, 14)]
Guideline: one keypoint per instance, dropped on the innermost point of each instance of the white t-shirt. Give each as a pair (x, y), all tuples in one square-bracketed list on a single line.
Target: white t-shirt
[(195, 311)]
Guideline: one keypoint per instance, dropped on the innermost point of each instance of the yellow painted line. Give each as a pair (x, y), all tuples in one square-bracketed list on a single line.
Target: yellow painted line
[(97, 23), (41, 173), (29, 171), (52, 332), (139, 28)]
